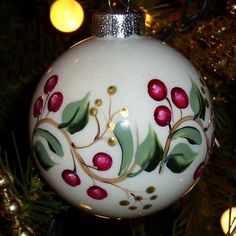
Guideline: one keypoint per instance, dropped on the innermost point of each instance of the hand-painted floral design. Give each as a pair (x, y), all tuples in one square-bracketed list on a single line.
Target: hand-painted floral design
[(157, 89), (199, 170), (97, 192), (162, 115), (179, 97), (137, 157), (70, 177), (55, 101), (50, 84), (102, 161), (38, 107)]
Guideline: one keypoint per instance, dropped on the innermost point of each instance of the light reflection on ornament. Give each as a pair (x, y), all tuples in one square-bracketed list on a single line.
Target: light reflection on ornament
[(66, 15), (229, 217), (85, 206), (126, 123)]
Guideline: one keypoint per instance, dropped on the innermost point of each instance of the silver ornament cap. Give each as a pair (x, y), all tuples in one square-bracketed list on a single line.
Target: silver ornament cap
[(118, 24)]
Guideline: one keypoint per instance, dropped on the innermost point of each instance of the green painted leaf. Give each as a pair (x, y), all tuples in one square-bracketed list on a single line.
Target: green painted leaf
[(42, 156), (52, 141), (75, 115), (125, 139), (180, 158), (190, 133), (197, 102), (149, 152)]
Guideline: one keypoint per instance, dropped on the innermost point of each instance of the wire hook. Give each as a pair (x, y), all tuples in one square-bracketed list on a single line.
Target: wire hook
[(110, 5)]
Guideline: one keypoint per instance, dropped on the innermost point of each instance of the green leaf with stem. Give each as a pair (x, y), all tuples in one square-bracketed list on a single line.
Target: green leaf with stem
[(180, 158), (197, 102), (53, 143), (125, 139), (192, 134), (75, 115), (149, 153), (42, 156)]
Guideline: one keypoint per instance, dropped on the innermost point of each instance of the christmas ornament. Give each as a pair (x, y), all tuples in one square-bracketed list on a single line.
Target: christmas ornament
[(11, 207), (6, 180), (22, 230), (121, 125)]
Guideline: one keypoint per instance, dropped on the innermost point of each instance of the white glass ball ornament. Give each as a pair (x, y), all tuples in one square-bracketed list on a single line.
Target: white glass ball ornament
[(121, 124)]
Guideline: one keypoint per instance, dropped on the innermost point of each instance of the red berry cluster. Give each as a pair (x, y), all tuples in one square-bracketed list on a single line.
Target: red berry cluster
[(72, 179), (158, 91), (102, 161), (54, 101)]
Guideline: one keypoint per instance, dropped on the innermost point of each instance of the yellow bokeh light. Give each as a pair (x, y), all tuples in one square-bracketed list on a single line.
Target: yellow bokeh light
[(224, 221), (66, 15), (148, 20)]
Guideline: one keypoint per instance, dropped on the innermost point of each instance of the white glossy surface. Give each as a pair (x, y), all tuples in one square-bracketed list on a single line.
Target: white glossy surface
[(129, 64)]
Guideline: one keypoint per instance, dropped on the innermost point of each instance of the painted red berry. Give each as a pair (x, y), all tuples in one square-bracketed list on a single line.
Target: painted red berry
[(157, 89), (97, 192), (179, 97), (102, 161), (70, 177), (55, 101), (199, 171), (162, 115), (38, 107), (50, 84)]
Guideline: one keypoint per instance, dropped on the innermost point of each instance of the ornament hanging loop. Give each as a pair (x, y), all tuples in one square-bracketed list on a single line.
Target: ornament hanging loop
[(128, 5), (110, 5)]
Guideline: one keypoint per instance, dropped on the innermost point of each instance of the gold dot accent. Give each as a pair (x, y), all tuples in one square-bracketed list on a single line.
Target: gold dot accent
[(112, 141), (147, 206), (124, 203), (111, 125), (112, 90), (154, 197), (124, 112), (98, 102), (93, 111), (138, 198), (132, 208), (150, 189)]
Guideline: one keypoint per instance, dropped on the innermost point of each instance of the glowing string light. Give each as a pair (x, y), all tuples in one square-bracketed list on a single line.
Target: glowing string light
[(225, 222), (66, 15)]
